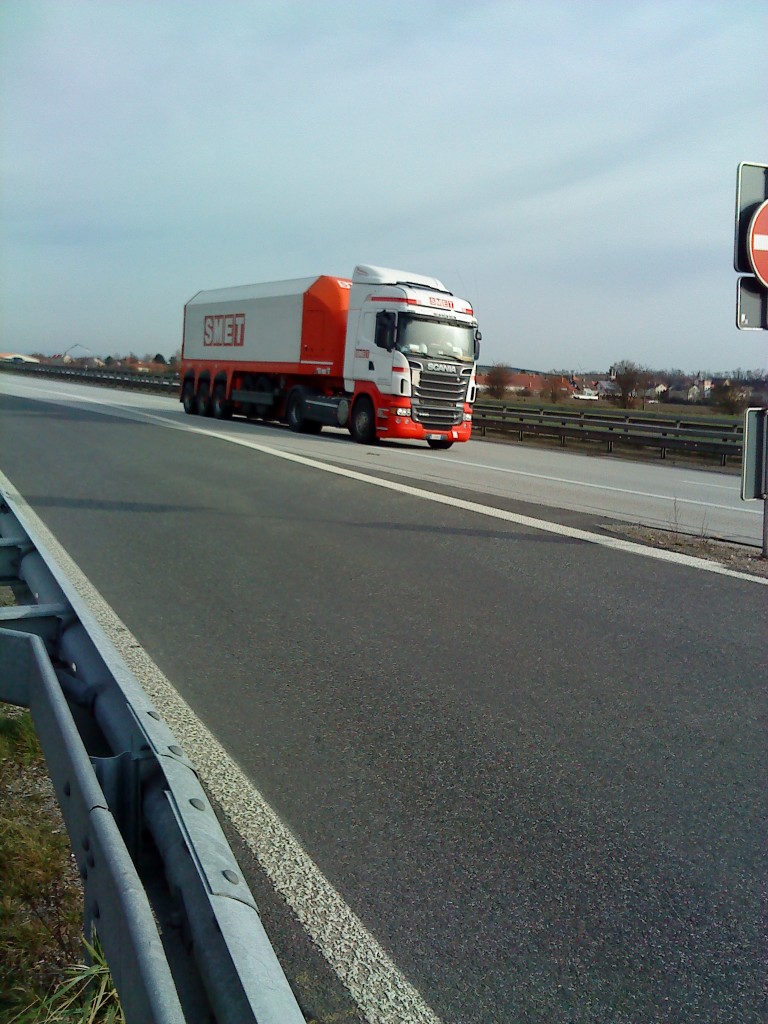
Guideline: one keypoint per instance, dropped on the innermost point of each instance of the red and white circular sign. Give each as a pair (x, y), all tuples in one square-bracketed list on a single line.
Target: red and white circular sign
[(757, 243)]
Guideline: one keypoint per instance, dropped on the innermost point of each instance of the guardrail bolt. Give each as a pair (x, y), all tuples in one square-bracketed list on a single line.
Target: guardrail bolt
[(197, 803), (231, 876)]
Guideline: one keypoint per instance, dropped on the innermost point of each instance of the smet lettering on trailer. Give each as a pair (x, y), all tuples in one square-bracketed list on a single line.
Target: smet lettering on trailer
[(225, 329), (442, 303)]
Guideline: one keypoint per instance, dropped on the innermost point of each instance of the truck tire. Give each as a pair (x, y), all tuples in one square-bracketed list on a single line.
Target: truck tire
[(222, 409), (440, 446), (204, 399), (363, 423), (188, 399), (296, 412)]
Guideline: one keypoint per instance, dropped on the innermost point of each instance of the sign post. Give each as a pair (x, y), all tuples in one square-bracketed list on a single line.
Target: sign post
[(750, 255), (754, 467)]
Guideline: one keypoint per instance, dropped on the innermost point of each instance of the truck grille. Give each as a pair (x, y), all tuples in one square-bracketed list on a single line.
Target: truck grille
[(438, 397)]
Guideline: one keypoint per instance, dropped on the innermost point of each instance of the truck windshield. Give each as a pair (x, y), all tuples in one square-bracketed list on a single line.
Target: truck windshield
[(438, 339)]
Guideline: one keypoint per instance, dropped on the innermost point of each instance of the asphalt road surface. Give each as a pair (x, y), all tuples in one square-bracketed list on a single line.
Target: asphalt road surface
[(669, 495), (530, 763)]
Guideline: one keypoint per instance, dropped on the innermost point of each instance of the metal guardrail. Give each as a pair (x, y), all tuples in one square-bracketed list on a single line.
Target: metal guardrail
[(608, 412), (163, 891), (705, 436), (167, 383)]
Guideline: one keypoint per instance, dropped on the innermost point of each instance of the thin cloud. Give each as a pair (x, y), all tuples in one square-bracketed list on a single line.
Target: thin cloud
[(572, 166)]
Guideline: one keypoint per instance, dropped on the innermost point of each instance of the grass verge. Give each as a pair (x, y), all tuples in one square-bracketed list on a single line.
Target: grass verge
[(41, 901)]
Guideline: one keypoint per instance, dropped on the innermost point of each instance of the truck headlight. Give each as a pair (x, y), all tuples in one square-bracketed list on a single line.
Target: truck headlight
[(402, 411)]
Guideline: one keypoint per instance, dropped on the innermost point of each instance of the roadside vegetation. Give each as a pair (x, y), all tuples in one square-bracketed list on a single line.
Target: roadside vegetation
[(40, 907), (43, 976), (650, 409), (627, 385)]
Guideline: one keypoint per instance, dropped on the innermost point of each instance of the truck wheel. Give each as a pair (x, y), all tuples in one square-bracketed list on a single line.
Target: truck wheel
[(204, 399), (296, 414), (363, 425), (222, 409), (440, 446), (188, 398)]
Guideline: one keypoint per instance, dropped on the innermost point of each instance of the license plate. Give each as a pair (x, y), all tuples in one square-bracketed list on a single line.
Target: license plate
[(435, 437)]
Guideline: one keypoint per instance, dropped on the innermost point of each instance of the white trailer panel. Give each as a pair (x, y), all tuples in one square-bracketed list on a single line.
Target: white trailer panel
[(251, 323)]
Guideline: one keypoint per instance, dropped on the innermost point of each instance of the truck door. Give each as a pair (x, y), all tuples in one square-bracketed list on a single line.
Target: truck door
[(373, 353), (384, 345)]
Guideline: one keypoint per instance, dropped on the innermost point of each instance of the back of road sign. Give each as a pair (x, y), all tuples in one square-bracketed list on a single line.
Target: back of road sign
[(751, 305), (751, 191), (754, 468)]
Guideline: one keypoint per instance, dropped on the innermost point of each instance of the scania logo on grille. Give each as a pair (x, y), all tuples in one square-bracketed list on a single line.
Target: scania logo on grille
[(441, 367)]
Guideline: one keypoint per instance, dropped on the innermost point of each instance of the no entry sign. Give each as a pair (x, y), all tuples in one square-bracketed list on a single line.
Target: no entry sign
[(757, 243)]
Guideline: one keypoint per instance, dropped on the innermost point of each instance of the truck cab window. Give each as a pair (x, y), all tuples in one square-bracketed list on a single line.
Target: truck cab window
[(386, 325)]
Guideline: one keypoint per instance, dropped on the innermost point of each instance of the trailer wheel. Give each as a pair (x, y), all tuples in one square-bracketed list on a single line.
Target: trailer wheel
[(296, 414), (188, 398), (204, 399), (440, 446), (363, 424), (222, 409)]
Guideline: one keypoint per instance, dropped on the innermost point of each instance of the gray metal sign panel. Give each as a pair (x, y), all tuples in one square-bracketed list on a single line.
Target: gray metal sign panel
[(751, 305), (751, 191), (754, 470)]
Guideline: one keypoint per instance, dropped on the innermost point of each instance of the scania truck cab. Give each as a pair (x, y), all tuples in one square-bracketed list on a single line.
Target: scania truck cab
[(412, 347)]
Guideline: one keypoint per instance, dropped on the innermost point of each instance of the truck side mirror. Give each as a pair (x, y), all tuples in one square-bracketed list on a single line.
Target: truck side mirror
[(478, 339)]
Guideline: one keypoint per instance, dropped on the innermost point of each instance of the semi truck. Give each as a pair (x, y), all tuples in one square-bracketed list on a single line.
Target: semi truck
[(385, 354)]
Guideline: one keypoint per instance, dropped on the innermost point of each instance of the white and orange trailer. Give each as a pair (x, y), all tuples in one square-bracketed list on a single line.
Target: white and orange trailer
[(387, 354)]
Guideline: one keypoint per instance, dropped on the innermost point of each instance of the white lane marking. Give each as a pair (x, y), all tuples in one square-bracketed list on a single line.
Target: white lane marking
[(379, 988), (615, 544)]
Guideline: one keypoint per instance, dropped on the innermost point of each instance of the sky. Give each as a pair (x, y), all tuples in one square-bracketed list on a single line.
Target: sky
[(568, 167)]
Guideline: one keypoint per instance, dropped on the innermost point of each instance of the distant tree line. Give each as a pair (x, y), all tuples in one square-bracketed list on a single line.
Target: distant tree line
[(632, 384)]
